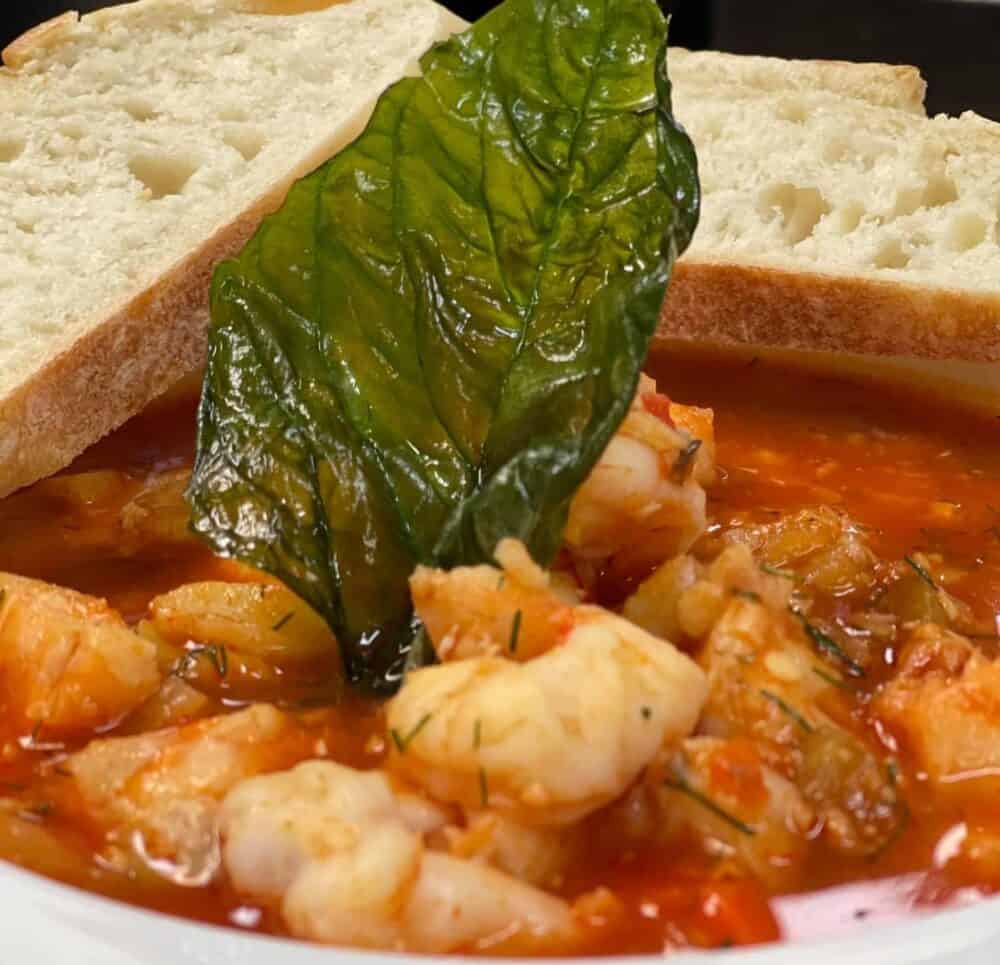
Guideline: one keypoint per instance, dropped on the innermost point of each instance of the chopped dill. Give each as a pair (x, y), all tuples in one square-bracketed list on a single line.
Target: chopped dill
[(921, 572), (283, 621), (747, 595), (484, 789), (787, 709), (774, 571), (500, 582), (217, 657), (36, 813), (827, 644), (682, 464), (892, 772), (681, 786), (220, 658), (831, 679), (402, 741), (515, 632)]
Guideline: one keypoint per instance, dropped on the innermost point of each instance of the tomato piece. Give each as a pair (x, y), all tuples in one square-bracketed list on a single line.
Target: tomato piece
[(739, 911), (655, 403)]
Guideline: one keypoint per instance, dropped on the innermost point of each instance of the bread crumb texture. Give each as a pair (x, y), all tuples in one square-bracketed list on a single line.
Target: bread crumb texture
[(846, 178), (132, 135)]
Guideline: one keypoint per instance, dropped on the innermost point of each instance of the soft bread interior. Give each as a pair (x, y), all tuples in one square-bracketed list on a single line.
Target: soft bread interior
[(835, 213), (140, 144)]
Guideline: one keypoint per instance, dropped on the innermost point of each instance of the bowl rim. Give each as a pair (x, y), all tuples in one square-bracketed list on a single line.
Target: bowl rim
[(935, 936)]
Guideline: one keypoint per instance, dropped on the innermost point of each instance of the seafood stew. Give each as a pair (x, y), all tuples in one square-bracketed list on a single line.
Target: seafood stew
[(763, 664)]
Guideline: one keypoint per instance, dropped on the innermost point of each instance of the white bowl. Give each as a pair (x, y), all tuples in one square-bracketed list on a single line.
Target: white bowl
[(48, 923)]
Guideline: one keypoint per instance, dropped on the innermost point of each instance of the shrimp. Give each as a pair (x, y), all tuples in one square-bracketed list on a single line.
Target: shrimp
[(644, 501), (69, 665), (548, 739), (343, 856), (476, 610), (537, 855), (157, 793)]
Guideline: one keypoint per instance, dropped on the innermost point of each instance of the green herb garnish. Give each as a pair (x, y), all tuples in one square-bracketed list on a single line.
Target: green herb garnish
[(682, 787), (774, 571), (515, 632), (787, 709), (892, 772), (484, 789), (831, 679), (828, 645), (921, 572), (404, 741), (682, 464), (747, 595), (283, 621), (216, 655), (428, 347), (36, 813)]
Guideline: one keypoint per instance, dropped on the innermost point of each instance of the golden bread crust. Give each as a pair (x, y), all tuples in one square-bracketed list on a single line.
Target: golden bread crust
[(728, 303)]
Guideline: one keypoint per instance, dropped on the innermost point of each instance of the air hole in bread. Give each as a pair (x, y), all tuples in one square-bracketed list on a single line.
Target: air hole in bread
[(848, 217), (940, 190), (160, 175), (72, 131), (891, 255), (233, 112), (11, 149), (139, 109), (836, 149), (800, 209), (793, 110), (908, 200), (966, 231), (247, 140)]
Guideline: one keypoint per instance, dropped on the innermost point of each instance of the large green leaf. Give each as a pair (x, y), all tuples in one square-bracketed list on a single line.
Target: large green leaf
[(428, 347)]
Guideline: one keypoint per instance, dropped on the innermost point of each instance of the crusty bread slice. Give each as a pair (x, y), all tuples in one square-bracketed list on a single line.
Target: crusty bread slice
[(836, 215), (138, 146)]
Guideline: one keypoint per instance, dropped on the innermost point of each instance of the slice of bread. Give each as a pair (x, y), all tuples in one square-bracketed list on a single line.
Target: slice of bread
[(139, 145), (836, 216)]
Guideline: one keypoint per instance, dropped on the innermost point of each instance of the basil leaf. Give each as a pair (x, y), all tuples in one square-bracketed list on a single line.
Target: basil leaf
[(431, 343)]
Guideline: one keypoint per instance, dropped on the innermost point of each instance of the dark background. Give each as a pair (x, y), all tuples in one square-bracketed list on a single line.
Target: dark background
[(956, 43)]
